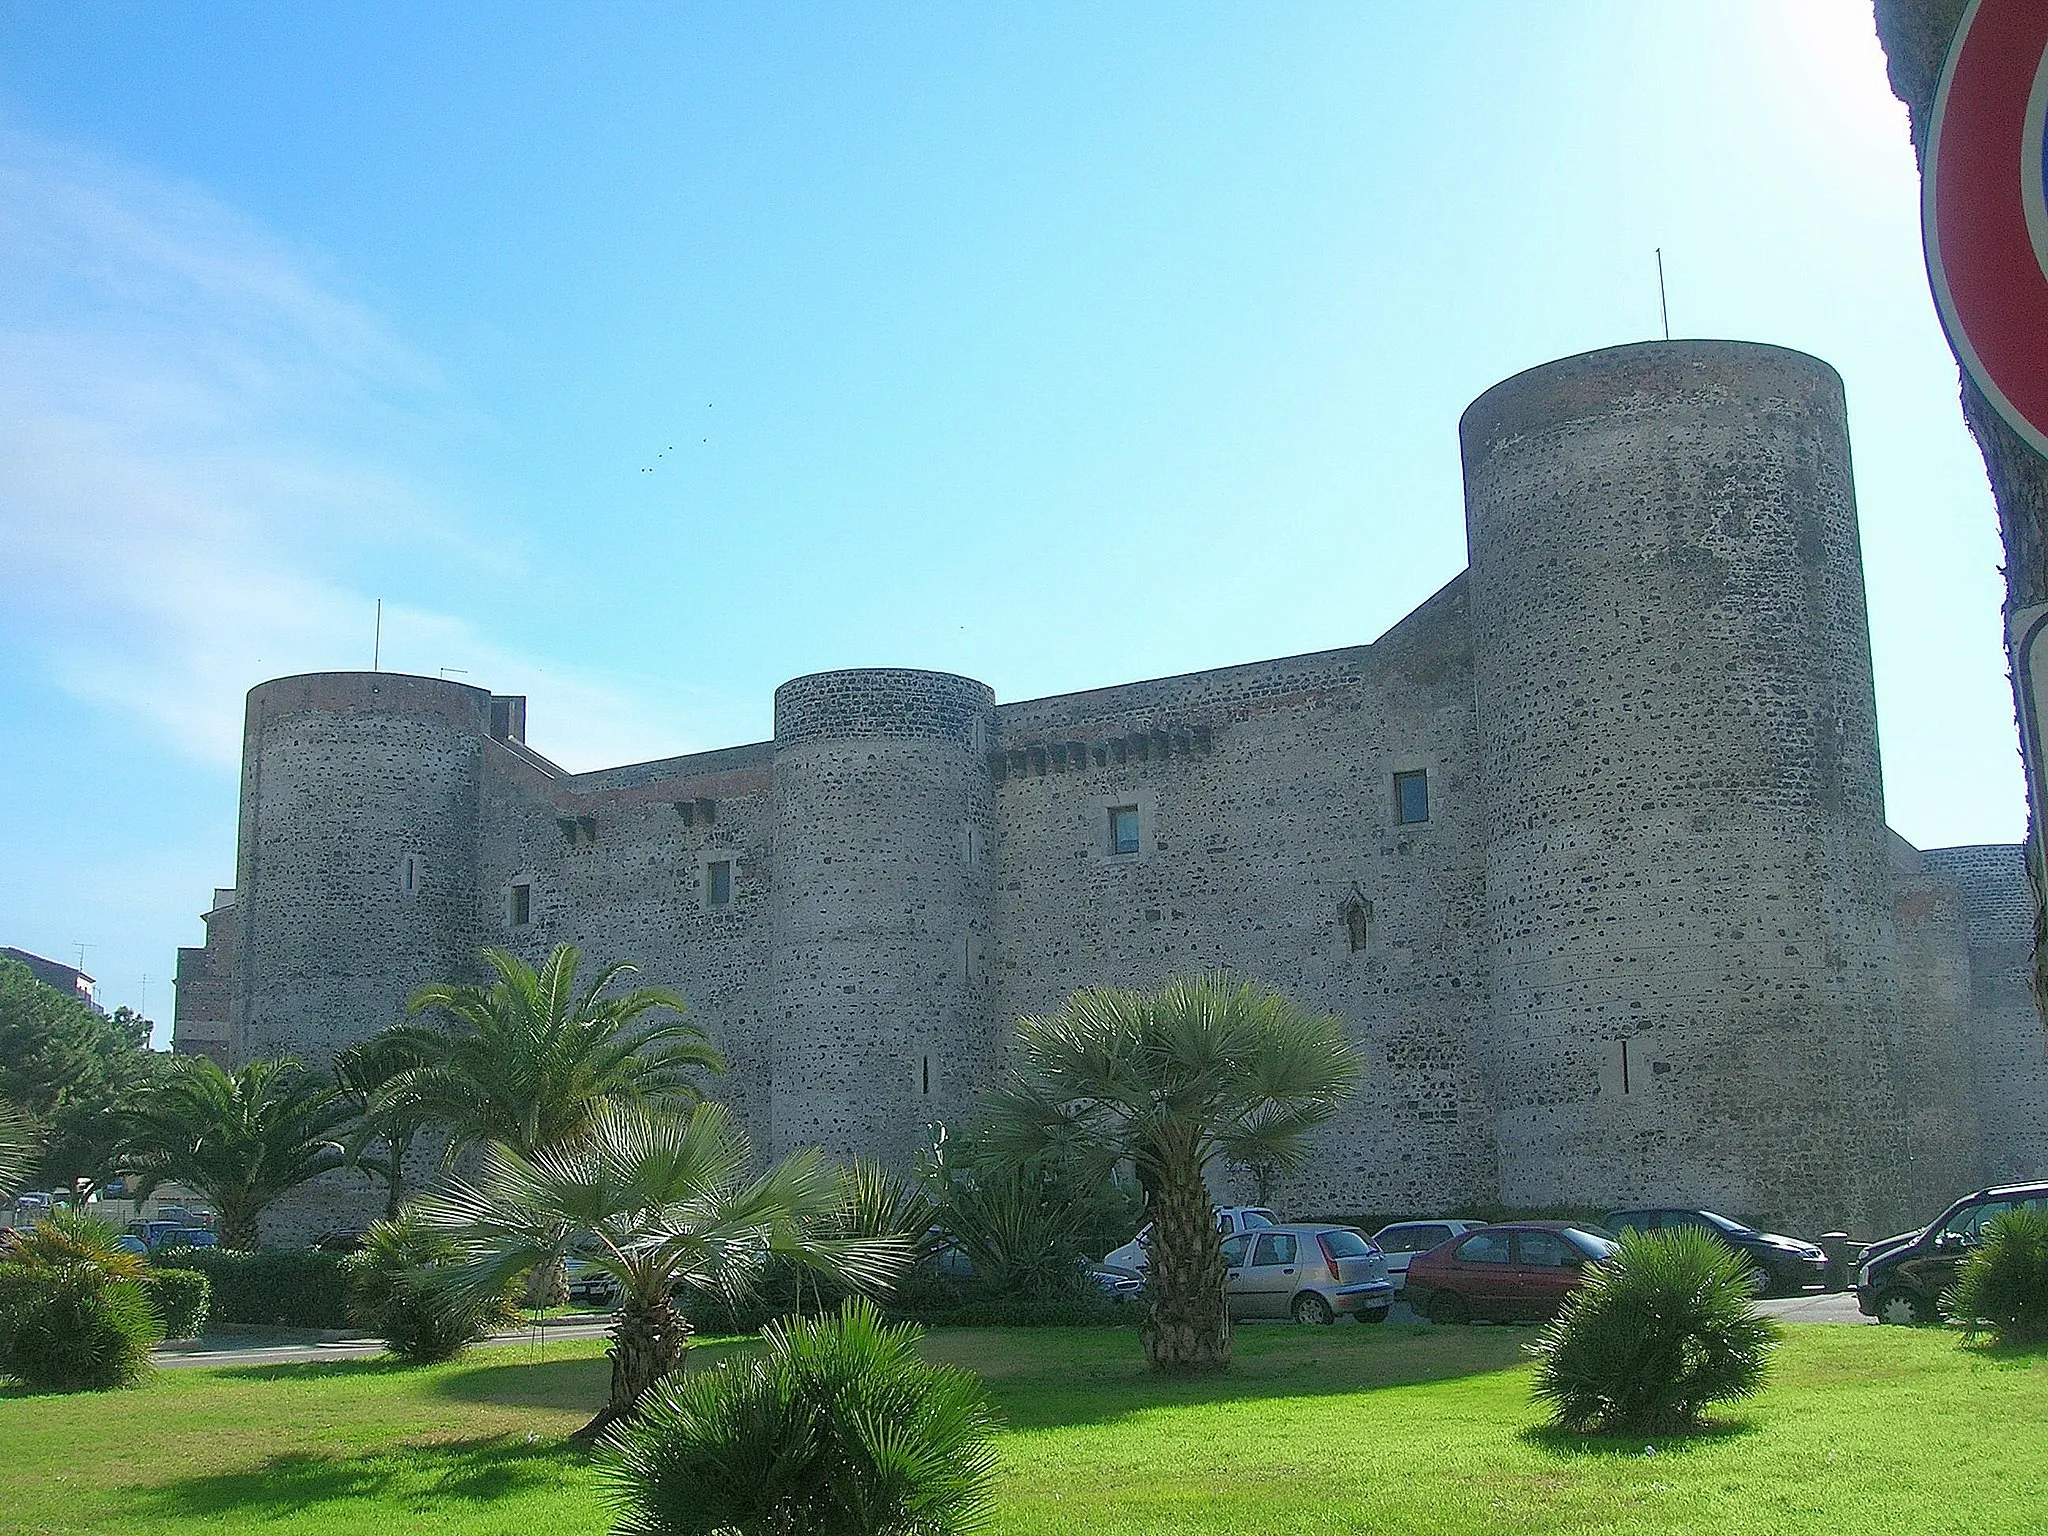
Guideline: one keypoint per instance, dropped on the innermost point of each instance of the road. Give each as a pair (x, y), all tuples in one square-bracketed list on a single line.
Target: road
[(257, 1350)]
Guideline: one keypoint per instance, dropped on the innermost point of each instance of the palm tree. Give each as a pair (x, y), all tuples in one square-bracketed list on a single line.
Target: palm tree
[(528, 1061), (362, 1071), (241, 1139), (1171, 1081), (656, 1203)]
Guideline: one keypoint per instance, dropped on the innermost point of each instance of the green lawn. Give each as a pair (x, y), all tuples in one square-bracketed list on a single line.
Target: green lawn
[(1388, 1430)]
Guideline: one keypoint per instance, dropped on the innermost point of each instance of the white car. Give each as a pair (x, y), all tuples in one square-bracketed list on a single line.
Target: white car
[(1405, 1239), (1230, 1220)]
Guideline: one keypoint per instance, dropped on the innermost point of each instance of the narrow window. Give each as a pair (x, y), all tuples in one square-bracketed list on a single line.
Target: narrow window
[(1626, 1086), (1411, 797), (720, 877), (520, 908), (1123, 829), (925, 1077), (411, 877)]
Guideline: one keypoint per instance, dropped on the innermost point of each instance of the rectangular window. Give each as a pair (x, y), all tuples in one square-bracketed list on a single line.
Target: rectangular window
[(719, 881), (520, 908), (412, 874), (1411, 797), (1123, 829)]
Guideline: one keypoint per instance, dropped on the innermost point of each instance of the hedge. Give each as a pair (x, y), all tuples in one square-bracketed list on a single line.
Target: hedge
[(180, 1298), (278, 1290)]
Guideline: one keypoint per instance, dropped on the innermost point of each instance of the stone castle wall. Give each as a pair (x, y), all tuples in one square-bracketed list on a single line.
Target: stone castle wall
[(1654, 818)]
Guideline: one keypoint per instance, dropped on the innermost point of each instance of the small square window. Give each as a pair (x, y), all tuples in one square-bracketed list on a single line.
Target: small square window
[(1123, 829), (520, 908), (1411, 797), (718, 883)]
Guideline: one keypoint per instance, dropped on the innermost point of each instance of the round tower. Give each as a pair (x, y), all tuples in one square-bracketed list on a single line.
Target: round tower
[(356, 876), (884, 816), (1693, 983)]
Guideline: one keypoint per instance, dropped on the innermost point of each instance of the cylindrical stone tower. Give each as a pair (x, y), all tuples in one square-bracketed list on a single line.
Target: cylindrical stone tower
[(356, 876), (1693, 983), (884, 813)]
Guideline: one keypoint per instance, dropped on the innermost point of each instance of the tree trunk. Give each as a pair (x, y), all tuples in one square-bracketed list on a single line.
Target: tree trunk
[(546, 1286), (1187, 1325), (1916, 35), (648, 1341), (236, 1225)]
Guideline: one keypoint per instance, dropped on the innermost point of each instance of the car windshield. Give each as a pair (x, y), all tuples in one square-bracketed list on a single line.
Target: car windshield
[(1735, 1228), (1592, 1243), (1345, 1244), (1254, 1219)]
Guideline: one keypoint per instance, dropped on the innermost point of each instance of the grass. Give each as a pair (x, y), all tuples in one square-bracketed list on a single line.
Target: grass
[(1318, 1430)]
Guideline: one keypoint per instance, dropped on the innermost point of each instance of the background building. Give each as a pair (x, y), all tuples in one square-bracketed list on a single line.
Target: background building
[(1588, 852)]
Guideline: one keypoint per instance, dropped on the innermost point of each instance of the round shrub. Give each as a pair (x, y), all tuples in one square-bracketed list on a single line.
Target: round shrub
[(180, 1298), (399, 1289), (1655, 1336), (2002, 1289), (841, 1427), (73, 1312)]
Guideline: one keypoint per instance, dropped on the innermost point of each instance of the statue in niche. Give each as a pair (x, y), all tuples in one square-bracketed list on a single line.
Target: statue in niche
[(1357, 917)]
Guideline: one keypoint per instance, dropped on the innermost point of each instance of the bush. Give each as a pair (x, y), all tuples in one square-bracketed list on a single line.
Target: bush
[(73, 1313), (840, 1428), (1657, 1334), (2002, 1289), (275, 1290), (180, 1298), (399, 1290)]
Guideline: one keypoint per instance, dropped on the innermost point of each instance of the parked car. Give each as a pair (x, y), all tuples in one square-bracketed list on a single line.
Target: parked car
[(1230, 1220), (1117, 1284), (584, 1281), (1312, 1272), (1903, 1280), (1513, 1271), (1781, 1265), (1404, 1239), (343, 1240), (128, 1242), (156, 1234)]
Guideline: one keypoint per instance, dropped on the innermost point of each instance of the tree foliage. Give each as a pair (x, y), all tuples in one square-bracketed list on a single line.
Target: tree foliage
[(73, 1312), (1205, 1069), (242, 1139), (841, 1428), (657, 1204), (2002, 1288), (529, 1061), (402, 1287), (65, 1065), (1655, 1336)]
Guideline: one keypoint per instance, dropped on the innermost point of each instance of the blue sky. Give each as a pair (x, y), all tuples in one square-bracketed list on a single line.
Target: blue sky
[(641, 357)]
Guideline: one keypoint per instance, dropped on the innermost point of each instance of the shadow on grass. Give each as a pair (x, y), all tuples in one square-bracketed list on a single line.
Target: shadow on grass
[(416, 1477), (578, 1383), (1568, 1443), (1070, 1378)]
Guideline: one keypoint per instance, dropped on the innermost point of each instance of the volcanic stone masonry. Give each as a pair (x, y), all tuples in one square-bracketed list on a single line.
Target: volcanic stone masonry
[(1588, 852)]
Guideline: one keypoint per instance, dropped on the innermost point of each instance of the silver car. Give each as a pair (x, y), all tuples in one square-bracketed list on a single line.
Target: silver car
[(1313, 1272)]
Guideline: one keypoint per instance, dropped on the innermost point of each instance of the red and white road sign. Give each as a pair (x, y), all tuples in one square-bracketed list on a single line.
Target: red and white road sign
[(1982, 213)]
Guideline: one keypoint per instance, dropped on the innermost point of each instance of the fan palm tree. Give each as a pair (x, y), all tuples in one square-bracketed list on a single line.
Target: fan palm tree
[(656, 1203), (242, 1139), (1205, 1068), (528, 1061)]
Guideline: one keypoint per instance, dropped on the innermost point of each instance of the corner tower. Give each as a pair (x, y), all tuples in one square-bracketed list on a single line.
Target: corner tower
[(356, 876), (884, 813), (1694, 992)]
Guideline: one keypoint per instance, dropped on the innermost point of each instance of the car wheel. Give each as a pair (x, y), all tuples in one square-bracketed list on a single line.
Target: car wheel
[(1311, 1308), (1759, 1280), (1904, 1310), (1445, 1307)]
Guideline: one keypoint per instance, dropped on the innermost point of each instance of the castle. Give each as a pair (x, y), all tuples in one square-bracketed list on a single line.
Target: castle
[(1588, 852)]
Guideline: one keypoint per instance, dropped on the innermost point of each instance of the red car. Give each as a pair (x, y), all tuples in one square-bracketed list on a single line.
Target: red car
[(1515, 1271)]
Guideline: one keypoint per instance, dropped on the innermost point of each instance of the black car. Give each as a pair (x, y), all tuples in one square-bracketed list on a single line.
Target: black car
[(1903, 1279), (1782, 1264)]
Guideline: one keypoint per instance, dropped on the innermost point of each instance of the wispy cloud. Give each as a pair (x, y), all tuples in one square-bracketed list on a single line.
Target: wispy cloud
[(193, 473)]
